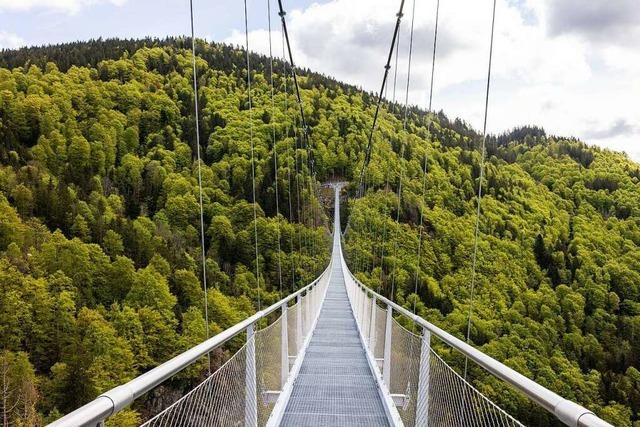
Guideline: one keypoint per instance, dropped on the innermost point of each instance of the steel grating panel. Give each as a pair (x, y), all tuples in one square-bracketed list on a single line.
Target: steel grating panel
[(354, 406), (323, 420), (335, 386), (320, 391)]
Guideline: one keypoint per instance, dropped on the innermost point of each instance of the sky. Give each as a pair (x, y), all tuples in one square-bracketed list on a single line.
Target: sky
[(570, 66)]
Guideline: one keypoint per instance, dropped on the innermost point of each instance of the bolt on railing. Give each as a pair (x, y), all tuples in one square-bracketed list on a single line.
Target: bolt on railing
[(259, 371), (427, 391)]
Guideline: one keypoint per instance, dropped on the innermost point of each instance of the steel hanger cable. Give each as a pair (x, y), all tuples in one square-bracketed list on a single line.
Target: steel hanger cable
[(275, 149), (424, 171), (197, 120), (289, 163), (482, 156), (401, 156), (253, 161)]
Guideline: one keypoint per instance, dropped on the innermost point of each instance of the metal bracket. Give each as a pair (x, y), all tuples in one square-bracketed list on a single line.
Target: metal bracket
[(380, 362), (270, 396), (400, 399)]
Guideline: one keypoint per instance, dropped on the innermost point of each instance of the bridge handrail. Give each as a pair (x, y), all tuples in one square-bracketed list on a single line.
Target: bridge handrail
[(114, 400), (568, 412)]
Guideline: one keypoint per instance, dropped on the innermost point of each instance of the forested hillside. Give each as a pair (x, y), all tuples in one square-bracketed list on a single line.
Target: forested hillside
[(100, 272), (558, 287)]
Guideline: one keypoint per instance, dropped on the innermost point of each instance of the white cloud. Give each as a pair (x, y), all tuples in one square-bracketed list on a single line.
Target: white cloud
[(10, 40), (66, 6), (572, 81)]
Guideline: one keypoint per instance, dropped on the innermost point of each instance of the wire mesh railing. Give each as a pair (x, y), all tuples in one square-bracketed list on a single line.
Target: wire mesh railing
[(405, 365), (269, 368), (239, 394), (424, 389), (422, 386), (458, 403), (221, 399), (245, 389)]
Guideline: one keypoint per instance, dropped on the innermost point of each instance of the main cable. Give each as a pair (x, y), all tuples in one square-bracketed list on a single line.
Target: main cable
[(282, 14), (197, 119), (482, 156), (367, 157), (305, 131), (253, 162)]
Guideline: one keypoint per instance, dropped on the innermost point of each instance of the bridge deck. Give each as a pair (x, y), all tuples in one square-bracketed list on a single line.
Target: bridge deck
[(335, 386)]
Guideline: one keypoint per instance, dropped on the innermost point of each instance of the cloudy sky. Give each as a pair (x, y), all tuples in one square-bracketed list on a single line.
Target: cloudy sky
[(571, 66)]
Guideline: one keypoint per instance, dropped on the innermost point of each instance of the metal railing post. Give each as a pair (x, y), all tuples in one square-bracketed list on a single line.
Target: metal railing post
[(299, 325), (386, 366), (312, 305), (359, 306), (307, 309), (422, 402), (251, 396), (372, 326), (315, 297), (363, 310), (284, 348)]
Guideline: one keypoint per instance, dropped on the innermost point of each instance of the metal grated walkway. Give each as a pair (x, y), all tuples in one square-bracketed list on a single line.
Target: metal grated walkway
[(335, 386)]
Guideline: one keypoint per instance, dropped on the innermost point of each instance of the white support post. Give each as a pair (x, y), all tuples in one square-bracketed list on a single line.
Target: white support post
[(386, 366), (357, 302), (422, 402), (359, 305), (372, 327), (315, 297), (299, 324), (251, 396), (314, 293), (307, 315), (363, 309), (284, 347), (352, 297)]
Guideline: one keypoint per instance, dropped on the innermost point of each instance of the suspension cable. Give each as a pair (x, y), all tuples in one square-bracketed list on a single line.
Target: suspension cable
[(282, 14), (275, 150), (289, 165), (482, 156), (384, 230), (402, 147), (395, 72), (362, 189), (386, 184), (367, 157), (253, 162), (305, 129), (395, 81), (424, 172), (197, 120)]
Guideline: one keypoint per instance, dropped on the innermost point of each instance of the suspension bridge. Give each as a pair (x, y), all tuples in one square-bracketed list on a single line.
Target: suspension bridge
[(334, 352), (335, 356)]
